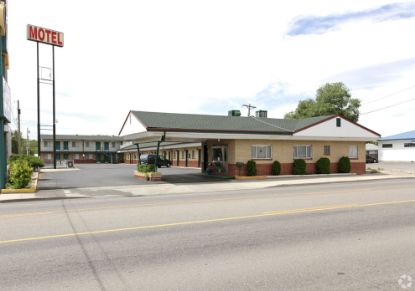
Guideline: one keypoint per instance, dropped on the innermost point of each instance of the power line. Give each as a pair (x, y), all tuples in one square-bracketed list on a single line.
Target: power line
[(387, 107), (390, 95)]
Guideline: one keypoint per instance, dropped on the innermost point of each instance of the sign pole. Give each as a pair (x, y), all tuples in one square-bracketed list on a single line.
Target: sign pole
[(38, 103), (54, 107), (3, 164)]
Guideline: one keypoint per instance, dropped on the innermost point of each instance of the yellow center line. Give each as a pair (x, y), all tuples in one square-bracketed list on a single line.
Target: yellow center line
[(126, 206), (206, 221)]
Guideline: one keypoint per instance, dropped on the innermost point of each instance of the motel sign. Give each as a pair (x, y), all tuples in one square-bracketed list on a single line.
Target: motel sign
[(44, 35)]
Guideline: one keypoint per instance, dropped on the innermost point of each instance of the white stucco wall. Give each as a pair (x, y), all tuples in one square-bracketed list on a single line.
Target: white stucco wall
[(330, 129), (398, 153), (132, 125)]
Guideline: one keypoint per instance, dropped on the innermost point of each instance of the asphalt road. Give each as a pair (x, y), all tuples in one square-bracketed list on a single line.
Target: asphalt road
[(345, 236)]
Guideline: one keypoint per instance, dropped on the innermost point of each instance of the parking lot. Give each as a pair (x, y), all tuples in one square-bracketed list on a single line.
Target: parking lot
[(100, 175)]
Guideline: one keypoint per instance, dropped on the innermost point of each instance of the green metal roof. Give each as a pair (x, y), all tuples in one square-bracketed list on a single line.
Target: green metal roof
[(221, 123)]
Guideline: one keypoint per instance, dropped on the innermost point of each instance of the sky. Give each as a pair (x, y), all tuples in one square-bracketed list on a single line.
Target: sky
[(209, 57)]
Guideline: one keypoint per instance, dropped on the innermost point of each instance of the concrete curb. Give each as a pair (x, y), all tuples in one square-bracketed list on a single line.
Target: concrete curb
[(32, 189), (172, 189)]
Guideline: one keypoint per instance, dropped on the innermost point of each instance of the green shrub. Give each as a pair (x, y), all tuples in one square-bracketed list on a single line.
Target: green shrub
[(344, 165), (20, 174), (146, 168), (276, 168), (251, 168), (299, 167), (34, 162), (323, 166)]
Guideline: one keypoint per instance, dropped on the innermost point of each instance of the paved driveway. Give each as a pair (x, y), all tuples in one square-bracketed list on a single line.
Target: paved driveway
[(99, 175), (394, 167)]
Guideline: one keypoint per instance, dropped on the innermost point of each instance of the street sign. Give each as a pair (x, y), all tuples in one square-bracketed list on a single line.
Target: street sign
[(44, 35), (7, 103)]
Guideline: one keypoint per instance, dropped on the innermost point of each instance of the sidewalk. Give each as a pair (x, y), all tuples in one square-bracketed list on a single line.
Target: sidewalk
[(163, 189)]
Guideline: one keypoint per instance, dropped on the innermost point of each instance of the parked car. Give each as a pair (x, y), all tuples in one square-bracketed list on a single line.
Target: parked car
[(370, 159), (151, 159)]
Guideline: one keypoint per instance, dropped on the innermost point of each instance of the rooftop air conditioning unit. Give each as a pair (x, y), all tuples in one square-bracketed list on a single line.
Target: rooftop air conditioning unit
[(234, 113), (262, 113)]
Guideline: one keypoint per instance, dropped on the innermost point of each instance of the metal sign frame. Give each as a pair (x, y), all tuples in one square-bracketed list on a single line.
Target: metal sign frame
[(53, 38)]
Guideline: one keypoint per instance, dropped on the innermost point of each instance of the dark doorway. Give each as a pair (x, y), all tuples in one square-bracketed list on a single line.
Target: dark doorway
[(186, 152), (205, 157), (199, 157)]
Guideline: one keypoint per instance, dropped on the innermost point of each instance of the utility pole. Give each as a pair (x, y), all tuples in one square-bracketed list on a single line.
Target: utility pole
[(19, 133), (249, 106), (27, 142)]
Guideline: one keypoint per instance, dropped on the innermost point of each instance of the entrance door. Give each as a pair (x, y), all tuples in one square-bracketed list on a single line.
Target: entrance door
[(220, 158), (177, 157), (199, 156), (186, 152)]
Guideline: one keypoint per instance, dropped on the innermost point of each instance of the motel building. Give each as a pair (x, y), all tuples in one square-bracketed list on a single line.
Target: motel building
[(81, 148), (223, 144), (179, 153)]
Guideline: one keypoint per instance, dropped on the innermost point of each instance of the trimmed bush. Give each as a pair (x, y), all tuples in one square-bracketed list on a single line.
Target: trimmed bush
[(299, 167), (251, 168), (344, 165), (276, 168), (20, 174), (146, 168), (239, 165), (323, 166)]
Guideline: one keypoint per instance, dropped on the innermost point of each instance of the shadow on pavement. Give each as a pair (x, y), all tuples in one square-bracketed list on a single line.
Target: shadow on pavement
[(192, 178)]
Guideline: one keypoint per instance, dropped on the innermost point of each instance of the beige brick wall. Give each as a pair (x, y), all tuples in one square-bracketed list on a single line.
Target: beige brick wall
[(282, 151)]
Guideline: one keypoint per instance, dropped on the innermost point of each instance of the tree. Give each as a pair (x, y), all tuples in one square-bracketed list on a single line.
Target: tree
[(331, 98), (15, 142)]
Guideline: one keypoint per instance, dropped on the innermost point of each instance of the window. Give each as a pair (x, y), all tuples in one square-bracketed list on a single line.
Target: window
[(338, 122), (302, 152), (74, 144), (98, 146), (387, 146), (106, 146), (87, 144), (327, 150), (409, 145), (193, 154), (113, 144), (45, 143), (353, 154), (182, 155), (65, 156), (65, 145), (261, 152), (58, 145)]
